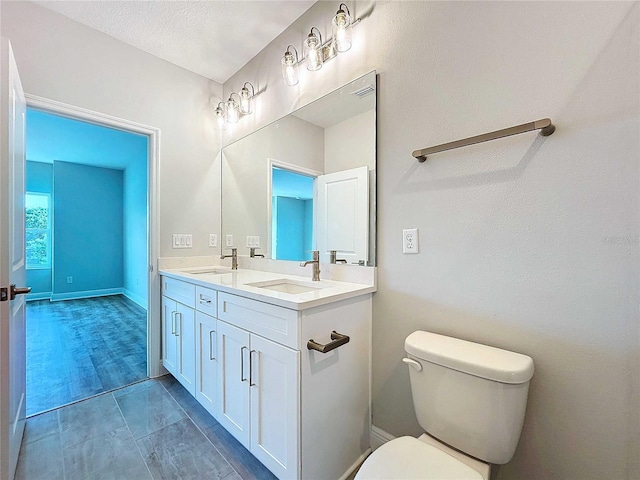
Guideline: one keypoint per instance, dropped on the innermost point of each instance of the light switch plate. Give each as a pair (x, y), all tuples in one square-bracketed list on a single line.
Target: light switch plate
[(182, 240), (213, 239), (253, 241), (410, 240)]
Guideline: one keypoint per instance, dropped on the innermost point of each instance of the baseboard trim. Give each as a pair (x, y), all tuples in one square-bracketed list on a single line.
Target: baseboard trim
[(141, 301), (379, 437), (356, 465), (38, 296), (86, 294)]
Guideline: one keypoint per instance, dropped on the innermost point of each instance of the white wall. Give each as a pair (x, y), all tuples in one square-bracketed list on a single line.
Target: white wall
[(527, 243), (62, 60), (351, 143)]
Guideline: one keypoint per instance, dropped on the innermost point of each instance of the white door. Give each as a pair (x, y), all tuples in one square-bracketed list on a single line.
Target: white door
[(275, 407), (342, 216), (233, 381), (169, 337), (206, 362), (12, 265), (186, 332)]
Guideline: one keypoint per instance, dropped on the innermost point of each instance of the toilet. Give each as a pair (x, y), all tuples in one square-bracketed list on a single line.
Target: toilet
[(469, 398)]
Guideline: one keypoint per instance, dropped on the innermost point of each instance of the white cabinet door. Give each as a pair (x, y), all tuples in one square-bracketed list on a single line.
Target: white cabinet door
[(233, 381), (185, 331), (206, 362), (169, 338), (275, 407)]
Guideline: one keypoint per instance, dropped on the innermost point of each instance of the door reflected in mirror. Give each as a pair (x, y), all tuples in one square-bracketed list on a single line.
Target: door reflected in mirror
[(307, 181)]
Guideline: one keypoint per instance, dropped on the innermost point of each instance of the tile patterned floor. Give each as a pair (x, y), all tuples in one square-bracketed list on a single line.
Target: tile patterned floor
[(80, 348), (151, 430)]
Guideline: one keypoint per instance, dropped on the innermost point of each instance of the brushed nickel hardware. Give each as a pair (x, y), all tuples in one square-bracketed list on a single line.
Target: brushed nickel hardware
[(412, 363), (204, 300), (211, 357), (545, 126), (234, 258), (251, 384), (253, 254), (178, 326), (338, 339), (316, 265), (173, 323), (333, 259), (13, 291), (242, 379)]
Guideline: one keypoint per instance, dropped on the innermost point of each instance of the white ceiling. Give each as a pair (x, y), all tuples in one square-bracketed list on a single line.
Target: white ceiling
[(213, 38)]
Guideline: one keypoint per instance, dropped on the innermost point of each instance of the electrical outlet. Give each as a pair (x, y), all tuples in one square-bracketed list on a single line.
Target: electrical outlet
[(410, 240), (213, 239), (69, 279), (228, 240)]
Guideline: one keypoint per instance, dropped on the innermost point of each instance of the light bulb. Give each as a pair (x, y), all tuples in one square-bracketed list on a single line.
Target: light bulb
[(342, 29), (219, 114), (232, 111), (313, 47), (290, 68), (246, 99)]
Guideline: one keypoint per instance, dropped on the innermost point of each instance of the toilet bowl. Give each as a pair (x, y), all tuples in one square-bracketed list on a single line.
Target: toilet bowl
[(470, 400)]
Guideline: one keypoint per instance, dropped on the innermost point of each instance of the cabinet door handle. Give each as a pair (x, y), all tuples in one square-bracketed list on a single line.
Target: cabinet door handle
[(204, 300), (179, 326), (338, 340), (242, 379), (251, 384), (211, 343), (173, 323)]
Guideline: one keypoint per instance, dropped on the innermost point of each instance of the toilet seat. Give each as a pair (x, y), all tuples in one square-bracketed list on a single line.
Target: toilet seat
[(407, 458)]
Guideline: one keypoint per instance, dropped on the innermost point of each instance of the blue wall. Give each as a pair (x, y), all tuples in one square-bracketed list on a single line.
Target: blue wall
[(88, 228), (39, 179), (293, 228)]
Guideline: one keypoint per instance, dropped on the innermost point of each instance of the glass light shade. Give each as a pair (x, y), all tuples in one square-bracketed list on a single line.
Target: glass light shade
[(219, 116), (232, 111), (313, 50), (342, 31), (245, 101), (290, 69)]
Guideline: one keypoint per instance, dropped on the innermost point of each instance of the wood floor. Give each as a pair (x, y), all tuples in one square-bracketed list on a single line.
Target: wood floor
[(80, 348)]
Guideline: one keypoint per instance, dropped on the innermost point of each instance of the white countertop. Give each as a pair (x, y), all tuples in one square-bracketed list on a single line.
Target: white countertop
[(237, 282)]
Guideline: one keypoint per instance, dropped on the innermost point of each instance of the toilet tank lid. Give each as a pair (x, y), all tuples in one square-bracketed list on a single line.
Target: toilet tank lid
[(473, 358)]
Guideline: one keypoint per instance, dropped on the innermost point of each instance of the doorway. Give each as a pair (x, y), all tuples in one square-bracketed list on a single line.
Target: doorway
[(89, 255)]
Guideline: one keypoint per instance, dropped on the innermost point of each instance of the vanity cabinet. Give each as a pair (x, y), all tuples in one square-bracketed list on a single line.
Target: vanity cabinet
[(302, 413), (259, 385), (178, 349)]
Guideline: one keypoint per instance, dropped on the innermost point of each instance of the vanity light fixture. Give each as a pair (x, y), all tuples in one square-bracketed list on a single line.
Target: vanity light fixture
[(316, 53), (313, 50), (246, 97), (342, 29), (290, 66), (233, 109), (219, 114)]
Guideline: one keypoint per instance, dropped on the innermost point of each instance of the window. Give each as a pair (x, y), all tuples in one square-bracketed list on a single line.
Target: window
[(38, 229)]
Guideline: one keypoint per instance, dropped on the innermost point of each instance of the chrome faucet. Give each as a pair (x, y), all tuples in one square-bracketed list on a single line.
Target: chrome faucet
[(333, 259), (253, 254), (316, 265), (234, 258)]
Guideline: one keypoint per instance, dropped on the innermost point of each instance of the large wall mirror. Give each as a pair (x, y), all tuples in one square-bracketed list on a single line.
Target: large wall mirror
[(307, 181)]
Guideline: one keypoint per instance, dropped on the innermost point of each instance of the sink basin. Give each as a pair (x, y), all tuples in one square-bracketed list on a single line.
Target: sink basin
[(208, 271), (284, 285)]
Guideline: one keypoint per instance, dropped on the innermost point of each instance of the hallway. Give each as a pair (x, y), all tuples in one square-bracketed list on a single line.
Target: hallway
[(80, 348)]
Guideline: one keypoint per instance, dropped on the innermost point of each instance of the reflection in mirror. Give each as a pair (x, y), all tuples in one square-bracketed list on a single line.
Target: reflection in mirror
[(307, 181)]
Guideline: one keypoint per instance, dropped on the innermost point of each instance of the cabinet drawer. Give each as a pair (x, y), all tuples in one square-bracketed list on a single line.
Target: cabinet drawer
[(180, 291), (206, 300), (270, 321)]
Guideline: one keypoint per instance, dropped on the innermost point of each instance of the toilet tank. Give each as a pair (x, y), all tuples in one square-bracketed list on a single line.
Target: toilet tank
[(470, 396)]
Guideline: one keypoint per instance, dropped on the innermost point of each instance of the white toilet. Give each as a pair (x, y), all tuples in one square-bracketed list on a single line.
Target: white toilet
[(469, 398)]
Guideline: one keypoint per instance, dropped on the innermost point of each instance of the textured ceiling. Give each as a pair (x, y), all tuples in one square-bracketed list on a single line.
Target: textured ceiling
[(213, 38)]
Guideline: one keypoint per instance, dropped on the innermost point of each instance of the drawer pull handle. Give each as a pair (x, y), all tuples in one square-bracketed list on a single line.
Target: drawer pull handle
[(338, 340), (173, 323), (251, 383), (204, 300), (211, 344), (242, 379)]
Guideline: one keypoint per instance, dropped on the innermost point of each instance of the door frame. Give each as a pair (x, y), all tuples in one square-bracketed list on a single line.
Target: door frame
[(271, 164), (153, 213)]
